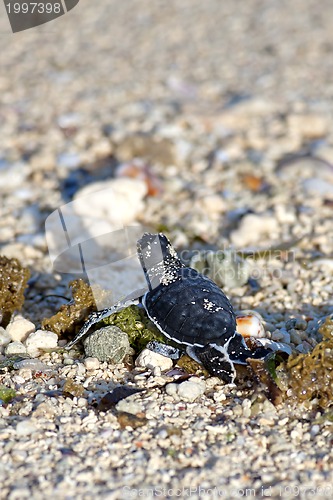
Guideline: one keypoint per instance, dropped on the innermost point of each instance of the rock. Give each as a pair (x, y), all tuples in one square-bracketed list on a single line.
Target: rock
[(281, 335), (129, 406), (107, 344), (319, 187), (189, 390), (39, 340), (254, 228), (13, 175), (152, 360), (225, 267), (212, 204), (229, 269), (69, 160), (129, 420), (5, 338), (309, 126), (29, 220), (116, 202), (19, 328), (69, 120), (91, 363), (31, 364), (295, 337), (15, 348)]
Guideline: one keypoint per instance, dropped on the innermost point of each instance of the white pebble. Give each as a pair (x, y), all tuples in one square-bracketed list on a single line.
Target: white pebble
[(5, 338), (189, 390), (315, 429), (130, 406), (19, 455), (31, 364), (253, 228), (100, 198), (41, 339), (151, 360), (19, 328), (15, 348), (25, 428), (91, 363)]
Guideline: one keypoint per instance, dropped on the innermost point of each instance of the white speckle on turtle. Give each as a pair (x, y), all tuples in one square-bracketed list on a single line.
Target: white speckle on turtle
[(168, 278), (210, 306)]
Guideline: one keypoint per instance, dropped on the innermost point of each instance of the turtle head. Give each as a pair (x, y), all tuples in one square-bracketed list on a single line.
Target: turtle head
[(158, 259)]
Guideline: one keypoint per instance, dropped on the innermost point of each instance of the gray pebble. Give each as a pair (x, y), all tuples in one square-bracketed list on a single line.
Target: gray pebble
[(15, 348), (107, 344)]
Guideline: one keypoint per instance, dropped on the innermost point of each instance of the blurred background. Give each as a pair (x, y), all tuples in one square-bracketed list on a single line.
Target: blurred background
[(220, 112)]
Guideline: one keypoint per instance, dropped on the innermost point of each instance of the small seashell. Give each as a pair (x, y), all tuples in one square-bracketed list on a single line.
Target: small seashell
[(250, 324)]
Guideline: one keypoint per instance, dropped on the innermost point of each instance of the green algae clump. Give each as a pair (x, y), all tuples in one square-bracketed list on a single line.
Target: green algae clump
[(139, 328), (13, 281), (6, 394), (311, 375), (70, 317)]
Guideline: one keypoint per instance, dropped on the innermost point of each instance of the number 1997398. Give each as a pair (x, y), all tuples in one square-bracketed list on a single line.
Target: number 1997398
[(33, 7)]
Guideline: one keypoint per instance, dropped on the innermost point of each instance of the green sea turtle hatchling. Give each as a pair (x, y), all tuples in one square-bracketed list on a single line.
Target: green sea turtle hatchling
[(188, 308)]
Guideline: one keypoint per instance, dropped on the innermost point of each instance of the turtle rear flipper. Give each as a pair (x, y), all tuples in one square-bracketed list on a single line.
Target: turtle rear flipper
[(99, 315), (215, 359), (239, 352)]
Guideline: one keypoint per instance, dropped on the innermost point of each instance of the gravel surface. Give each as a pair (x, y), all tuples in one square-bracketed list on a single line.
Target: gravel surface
[(226, 108)]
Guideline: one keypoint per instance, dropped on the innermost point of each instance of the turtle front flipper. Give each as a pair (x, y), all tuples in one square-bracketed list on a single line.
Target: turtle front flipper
[(99, 315), (215, 359)]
